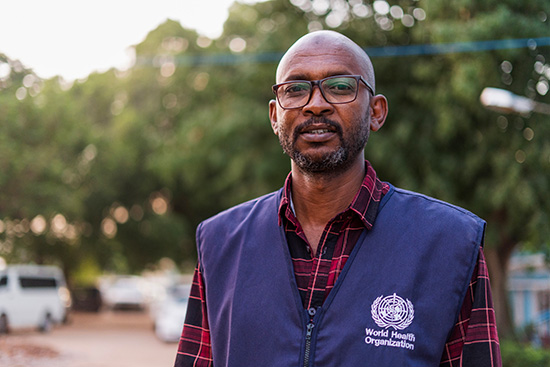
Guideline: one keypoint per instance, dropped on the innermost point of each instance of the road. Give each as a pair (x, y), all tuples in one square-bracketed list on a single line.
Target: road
[(107, 339)]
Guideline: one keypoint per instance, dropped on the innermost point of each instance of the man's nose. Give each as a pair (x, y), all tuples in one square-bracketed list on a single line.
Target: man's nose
[(317, 104)]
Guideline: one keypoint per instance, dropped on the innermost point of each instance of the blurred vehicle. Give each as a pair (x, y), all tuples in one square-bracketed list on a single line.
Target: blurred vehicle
[(87, 299), (32, 296), (125, 292), (170, 314)]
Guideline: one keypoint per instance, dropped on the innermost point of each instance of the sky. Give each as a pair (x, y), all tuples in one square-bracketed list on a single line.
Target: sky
[(73, 38)]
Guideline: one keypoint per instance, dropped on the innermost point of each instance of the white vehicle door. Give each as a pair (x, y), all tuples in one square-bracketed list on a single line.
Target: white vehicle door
[(38, 296)]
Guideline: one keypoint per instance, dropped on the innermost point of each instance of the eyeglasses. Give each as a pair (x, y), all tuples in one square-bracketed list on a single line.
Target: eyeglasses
[(335, 89)]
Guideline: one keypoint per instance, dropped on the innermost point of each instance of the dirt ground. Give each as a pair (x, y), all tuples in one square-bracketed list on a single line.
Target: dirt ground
[(108, 339)]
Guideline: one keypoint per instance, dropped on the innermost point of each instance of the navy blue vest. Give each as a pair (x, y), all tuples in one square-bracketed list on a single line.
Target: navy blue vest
[(394, 303)]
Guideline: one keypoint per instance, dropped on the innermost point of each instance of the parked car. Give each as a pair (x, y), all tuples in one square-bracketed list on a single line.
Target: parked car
[(170, 315), (86, 299), (125, 292), (32, 296)]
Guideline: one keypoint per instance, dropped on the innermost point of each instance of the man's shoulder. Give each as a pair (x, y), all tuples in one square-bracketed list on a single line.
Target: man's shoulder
[(427, 203)]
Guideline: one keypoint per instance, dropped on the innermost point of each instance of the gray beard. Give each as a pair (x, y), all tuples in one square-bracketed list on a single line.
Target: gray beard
[(328, 162)]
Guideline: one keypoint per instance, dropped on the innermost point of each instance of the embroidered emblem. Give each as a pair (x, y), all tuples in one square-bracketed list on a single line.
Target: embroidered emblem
[(392, 311)]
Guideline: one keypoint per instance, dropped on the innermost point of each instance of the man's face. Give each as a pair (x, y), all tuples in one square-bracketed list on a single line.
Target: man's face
[(322, 137), (318, 157)]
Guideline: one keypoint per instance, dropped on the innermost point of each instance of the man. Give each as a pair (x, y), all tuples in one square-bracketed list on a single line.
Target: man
[(337, 268)]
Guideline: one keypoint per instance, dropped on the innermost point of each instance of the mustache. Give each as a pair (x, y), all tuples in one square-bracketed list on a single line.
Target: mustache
[(318, 120)]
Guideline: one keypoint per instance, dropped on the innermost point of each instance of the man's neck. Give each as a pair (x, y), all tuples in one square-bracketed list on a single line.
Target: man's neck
[(319, 198)]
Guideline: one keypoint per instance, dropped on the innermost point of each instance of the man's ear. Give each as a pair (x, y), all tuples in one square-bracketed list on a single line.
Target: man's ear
[(273, 116), (378, 111)]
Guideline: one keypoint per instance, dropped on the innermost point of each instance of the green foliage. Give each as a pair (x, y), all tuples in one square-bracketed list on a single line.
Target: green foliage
[(517, 355)]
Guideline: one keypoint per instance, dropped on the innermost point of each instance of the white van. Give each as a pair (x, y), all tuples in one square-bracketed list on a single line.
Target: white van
[(32, 296)]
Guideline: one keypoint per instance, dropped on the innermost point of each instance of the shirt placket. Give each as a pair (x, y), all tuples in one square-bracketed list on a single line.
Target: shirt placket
[(321, 265)]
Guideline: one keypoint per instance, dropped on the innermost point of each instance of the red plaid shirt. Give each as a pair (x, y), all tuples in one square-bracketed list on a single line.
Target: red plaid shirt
[(473, 341)]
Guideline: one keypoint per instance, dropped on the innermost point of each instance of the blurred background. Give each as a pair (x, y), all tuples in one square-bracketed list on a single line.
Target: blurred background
[(107, 171)]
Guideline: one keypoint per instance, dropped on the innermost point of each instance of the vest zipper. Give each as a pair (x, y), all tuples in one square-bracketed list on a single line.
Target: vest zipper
[(307, 353)]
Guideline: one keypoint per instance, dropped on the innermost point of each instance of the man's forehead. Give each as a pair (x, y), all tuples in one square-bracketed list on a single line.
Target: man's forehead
[(316, 66), (324, 50)]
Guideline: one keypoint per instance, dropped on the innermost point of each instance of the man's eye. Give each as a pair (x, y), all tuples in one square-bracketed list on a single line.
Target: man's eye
[(339, 86), (296, 88)]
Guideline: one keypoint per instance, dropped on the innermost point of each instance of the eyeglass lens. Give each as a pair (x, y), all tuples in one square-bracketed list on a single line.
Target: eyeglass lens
[(335, 90)]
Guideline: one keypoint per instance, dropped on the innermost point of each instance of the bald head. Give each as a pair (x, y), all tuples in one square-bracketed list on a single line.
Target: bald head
[(320, 43)]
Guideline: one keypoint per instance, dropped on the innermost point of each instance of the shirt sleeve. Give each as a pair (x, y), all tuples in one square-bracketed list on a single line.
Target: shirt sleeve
[(194, 349), (474, 339)]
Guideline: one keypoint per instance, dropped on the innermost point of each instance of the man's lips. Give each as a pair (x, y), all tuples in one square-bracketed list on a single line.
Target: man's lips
[(317, 130), (317, 133)]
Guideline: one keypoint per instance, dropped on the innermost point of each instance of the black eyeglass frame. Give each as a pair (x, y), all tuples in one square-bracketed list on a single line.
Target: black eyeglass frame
[(317, 83)]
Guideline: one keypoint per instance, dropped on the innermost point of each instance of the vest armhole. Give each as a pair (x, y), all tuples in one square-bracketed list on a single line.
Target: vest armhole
[(198, 235), (470, 273)]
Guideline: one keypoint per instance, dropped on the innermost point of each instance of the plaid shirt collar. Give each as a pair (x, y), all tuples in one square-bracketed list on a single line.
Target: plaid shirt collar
[(364, 205)]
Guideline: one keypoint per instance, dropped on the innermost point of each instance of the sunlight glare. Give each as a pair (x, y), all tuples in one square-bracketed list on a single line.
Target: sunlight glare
[(38, 225), (86, 36)]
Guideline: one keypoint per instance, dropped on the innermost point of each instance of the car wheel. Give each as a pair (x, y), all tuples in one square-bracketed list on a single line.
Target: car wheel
[(4, 329), (47, 324)]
